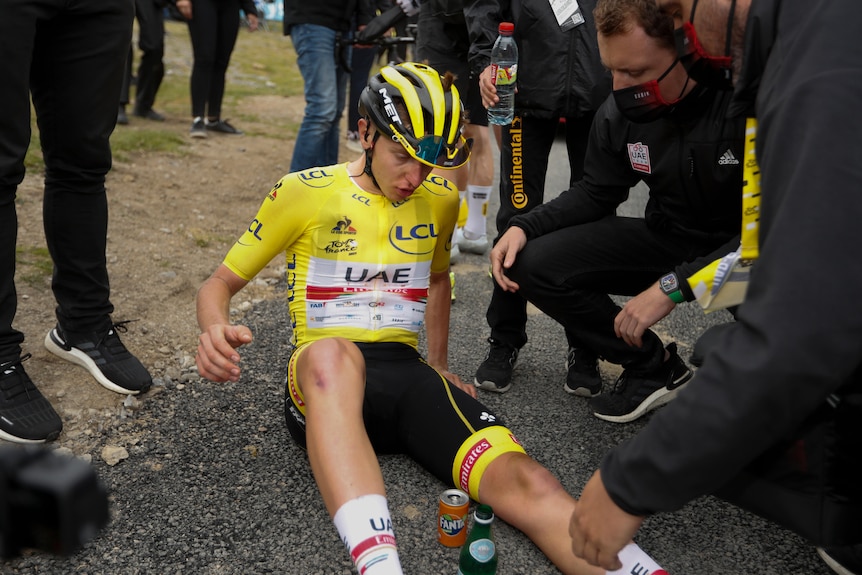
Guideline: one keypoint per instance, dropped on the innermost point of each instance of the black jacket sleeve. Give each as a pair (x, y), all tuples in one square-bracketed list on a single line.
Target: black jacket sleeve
[(248, 7), (483, 19)]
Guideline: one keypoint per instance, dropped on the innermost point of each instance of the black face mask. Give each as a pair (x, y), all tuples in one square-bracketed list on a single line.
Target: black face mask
[(644, 103), (706, 70)]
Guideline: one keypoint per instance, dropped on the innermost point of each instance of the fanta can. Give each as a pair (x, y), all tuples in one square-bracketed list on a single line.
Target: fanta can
[(452, 518)]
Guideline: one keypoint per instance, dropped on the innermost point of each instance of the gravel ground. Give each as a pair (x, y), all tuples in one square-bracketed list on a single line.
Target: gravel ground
[(213, 484)]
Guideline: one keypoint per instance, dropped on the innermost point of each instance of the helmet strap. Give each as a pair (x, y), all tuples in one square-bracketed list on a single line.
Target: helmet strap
[(368, 154)]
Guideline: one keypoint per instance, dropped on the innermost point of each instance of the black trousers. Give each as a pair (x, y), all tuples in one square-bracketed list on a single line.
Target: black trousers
[(569, 273), (69, 54), (151, 70), (213, 30), (526, 145)]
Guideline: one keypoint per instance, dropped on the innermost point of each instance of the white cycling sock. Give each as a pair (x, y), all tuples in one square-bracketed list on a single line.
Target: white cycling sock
[(365, 527), (636, 562), (477, 210)]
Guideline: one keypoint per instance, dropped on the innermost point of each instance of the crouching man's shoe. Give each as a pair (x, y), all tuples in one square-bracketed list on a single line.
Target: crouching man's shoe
[(634, 394)]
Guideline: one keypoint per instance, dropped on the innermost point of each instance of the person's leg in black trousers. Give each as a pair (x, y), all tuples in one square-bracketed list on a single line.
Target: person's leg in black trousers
[(125, 90), (227, 29), (213, 30), (71, 60), (361, 61), (202, 31), (525, 149), (569, 273), (151, 70)]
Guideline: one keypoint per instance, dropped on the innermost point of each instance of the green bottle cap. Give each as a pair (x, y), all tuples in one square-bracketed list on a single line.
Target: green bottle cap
[(484, 513)]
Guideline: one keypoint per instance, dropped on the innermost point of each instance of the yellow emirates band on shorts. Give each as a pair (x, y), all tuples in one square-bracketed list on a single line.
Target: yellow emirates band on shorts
[(477, 452)]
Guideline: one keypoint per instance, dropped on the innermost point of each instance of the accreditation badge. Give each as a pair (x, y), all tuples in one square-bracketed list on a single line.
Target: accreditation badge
[(723, 283), (567, 13)]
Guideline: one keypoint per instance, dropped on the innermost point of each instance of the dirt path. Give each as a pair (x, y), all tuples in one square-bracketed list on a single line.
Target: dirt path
[(172, 218)]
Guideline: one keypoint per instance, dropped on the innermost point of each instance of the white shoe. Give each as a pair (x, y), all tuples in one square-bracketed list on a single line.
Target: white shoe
[(473, 246)]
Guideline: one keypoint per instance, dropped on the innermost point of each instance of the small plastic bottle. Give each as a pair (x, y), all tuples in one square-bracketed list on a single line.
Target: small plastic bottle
[(504, 68), (479, 553)]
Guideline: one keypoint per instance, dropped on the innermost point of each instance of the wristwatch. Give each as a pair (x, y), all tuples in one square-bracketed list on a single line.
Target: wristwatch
[(669, 285)]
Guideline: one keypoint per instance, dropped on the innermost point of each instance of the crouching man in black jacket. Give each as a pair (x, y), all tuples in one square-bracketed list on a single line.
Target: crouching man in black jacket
[(659, 127), (795, 348)]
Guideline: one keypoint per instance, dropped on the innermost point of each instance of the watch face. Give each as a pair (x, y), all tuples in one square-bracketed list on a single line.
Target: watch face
[(668, 283)]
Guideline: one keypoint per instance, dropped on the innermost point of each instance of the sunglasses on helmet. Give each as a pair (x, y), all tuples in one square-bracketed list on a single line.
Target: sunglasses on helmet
[(433, 150)]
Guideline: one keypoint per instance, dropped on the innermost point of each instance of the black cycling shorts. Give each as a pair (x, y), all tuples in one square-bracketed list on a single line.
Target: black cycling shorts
[(411, 409)]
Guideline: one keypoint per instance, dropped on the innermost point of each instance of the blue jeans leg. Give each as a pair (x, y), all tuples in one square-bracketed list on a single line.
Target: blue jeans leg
[(325, 87)]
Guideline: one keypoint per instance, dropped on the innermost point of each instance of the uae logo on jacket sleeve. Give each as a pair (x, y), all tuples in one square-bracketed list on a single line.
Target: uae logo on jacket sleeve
[(639, 158)]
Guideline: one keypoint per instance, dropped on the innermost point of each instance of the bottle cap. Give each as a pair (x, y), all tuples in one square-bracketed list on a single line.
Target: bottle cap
[(506, 28), (484, 514)]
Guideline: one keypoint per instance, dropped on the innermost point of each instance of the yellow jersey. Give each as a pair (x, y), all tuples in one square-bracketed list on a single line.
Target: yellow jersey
[(358, 265)]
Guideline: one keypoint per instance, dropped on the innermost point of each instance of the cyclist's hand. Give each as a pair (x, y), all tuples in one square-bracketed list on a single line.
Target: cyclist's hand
[(217, 359), (456, 381)]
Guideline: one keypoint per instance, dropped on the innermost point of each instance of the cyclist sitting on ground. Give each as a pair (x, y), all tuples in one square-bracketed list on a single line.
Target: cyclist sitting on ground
[(367, 245)]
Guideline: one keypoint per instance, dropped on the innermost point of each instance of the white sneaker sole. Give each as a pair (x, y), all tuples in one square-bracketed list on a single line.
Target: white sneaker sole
[(491, 386), (80, 358), (15, 439), (581, 391), (832, 563)]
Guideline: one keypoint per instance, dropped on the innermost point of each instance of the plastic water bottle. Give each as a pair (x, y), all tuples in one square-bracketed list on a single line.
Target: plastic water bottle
[(504, 68), (479, 553)]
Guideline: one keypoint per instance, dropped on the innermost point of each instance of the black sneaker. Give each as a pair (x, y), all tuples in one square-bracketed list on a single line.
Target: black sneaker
[(495, 373), (221, 126), (25, 415), (149, 115), (104, 356), (635, 394), (199, 129), (843, 560), (582, 373)]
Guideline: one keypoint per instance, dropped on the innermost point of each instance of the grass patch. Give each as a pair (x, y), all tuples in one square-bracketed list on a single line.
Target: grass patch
[(263, 63), (33, 161), (141, 140), (204, 238), (34, 264)]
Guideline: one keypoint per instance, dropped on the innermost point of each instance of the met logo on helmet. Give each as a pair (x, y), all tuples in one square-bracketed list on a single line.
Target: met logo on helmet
[(389, 105)]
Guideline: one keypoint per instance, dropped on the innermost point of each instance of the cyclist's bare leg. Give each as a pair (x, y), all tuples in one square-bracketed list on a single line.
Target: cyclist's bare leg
[(331, 375), (527, 496)]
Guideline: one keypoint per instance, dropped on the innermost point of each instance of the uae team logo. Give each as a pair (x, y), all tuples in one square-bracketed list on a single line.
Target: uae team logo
[(639, 158)]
